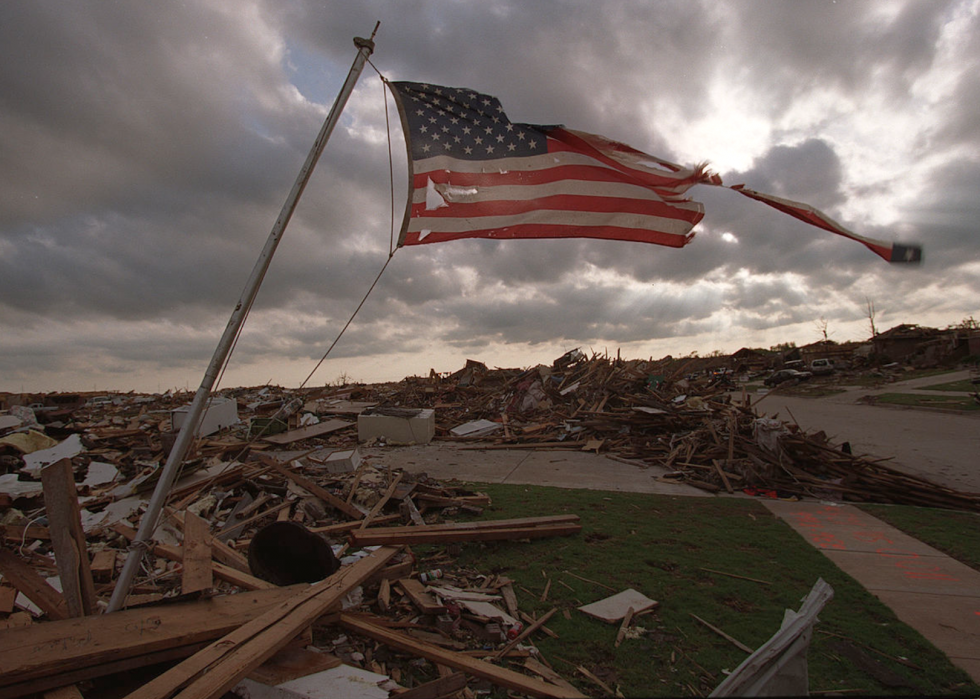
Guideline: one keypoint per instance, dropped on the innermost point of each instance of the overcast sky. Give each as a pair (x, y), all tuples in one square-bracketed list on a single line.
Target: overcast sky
[(147, 149)]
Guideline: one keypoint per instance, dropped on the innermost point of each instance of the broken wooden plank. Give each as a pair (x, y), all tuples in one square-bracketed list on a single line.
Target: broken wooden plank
[(459, 501), (734, 642), (419, 535), (52, 649), (34, 587), (67, 692), (7, 597), (522, 528), (19, 533), (436, 689), (420, 597), (235, 577), (312, 487), (220, 551), (67, 537), (196, 573), (724, 478), (383, 501), (292, 662), (525, 633), (104, 565), (212, 671), (542, 670), (317, 430), (478, 668), (627, 620), (350, 526)]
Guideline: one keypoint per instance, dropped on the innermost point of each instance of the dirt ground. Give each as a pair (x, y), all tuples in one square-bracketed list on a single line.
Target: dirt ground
[(941, 446)]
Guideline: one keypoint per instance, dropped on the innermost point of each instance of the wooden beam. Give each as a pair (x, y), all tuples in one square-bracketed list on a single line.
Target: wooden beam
[(67, 537), (307, 432), (421, 535), (173, 553), (383, 501), (312, 487), (55, 648), (104, 565), (212, 671), (342, 527), (479, 668), (34, 587), (420, 597), (196, 574), (436, 689)]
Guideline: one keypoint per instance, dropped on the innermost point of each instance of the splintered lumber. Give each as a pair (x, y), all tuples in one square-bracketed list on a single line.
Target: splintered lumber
[(293, 662), (305, 483), (41, 656), (34, 587), (738, 644), (525, 633), (217, 668), (316, 430), (478, 668), (436, 689), (383, 501), (522, 528), (7, 597), (67, 537), (220, 551), (173, 553), (196, 574), (420, 597)]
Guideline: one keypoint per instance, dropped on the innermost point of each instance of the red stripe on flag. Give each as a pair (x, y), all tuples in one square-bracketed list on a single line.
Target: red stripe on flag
[(550, 231)]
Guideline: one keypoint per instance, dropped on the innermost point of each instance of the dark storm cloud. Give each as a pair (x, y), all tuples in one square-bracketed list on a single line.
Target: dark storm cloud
[(147, 151)]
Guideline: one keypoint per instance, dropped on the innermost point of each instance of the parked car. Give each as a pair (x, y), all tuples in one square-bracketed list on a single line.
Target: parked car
[(784, 375), (822, 366)]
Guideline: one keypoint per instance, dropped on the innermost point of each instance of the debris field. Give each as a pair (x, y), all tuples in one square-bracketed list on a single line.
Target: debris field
[(224, 597)]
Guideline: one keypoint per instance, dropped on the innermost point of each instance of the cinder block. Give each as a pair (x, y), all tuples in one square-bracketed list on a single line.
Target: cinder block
[(397, 429)]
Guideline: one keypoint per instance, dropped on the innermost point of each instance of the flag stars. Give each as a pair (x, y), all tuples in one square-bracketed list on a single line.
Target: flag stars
[(460, 123)]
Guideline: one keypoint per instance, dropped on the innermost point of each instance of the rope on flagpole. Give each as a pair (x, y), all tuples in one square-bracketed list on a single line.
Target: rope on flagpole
[(351, 320), (391, 242)]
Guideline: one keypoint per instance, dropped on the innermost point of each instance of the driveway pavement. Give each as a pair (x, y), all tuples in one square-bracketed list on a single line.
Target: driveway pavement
[(941, 446), (926, 589)]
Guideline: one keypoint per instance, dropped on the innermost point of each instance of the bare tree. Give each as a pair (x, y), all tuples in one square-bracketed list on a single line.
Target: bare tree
[(871, 315), (822, 328)]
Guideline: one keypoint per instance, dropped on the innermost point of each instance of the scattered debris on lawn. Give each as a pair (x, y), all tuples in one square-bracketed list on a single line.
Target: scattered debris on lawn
[(274, 473)]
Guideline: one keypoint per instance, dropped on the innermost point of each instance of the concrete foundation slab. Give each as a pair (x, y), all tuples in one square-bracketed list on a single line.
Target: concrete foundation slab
[(442, 462), (557, 468), (577, 469)]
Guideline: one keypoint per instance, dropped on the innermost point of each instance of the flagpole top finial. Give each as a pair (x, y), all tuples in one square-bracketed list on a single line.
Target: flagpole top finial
[(362, 43)]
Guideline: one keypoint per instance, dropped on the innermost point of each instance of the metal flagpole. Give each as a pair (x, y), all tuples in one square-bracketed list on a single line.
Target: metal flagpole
[(149, 521)]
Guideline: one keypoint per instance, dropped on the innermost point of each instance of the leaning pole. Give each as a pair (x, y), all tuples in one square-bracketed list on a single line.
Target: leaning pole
[(148, 523)]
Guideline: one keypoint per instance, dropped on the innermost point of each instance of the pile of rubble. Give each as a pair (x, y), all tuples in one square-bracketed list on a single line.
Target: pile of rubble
[(698, 427), (225, 588), (76, 471)]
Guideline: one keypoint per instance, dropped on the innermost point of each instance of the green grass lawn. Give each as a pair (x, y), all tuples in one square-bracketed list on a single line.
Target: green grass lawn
[(963, 385), (964, 403), (957, 534), (661, 546)]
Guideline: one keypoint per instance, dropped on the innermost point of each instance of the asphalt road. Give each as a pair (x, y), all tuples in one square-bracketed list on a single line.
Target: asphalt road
[(941, 446)]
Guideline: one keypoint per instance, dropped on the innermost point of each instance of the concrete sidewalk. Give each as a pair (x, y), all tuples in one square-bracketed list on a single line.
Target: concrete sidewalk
[(929, 591)]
